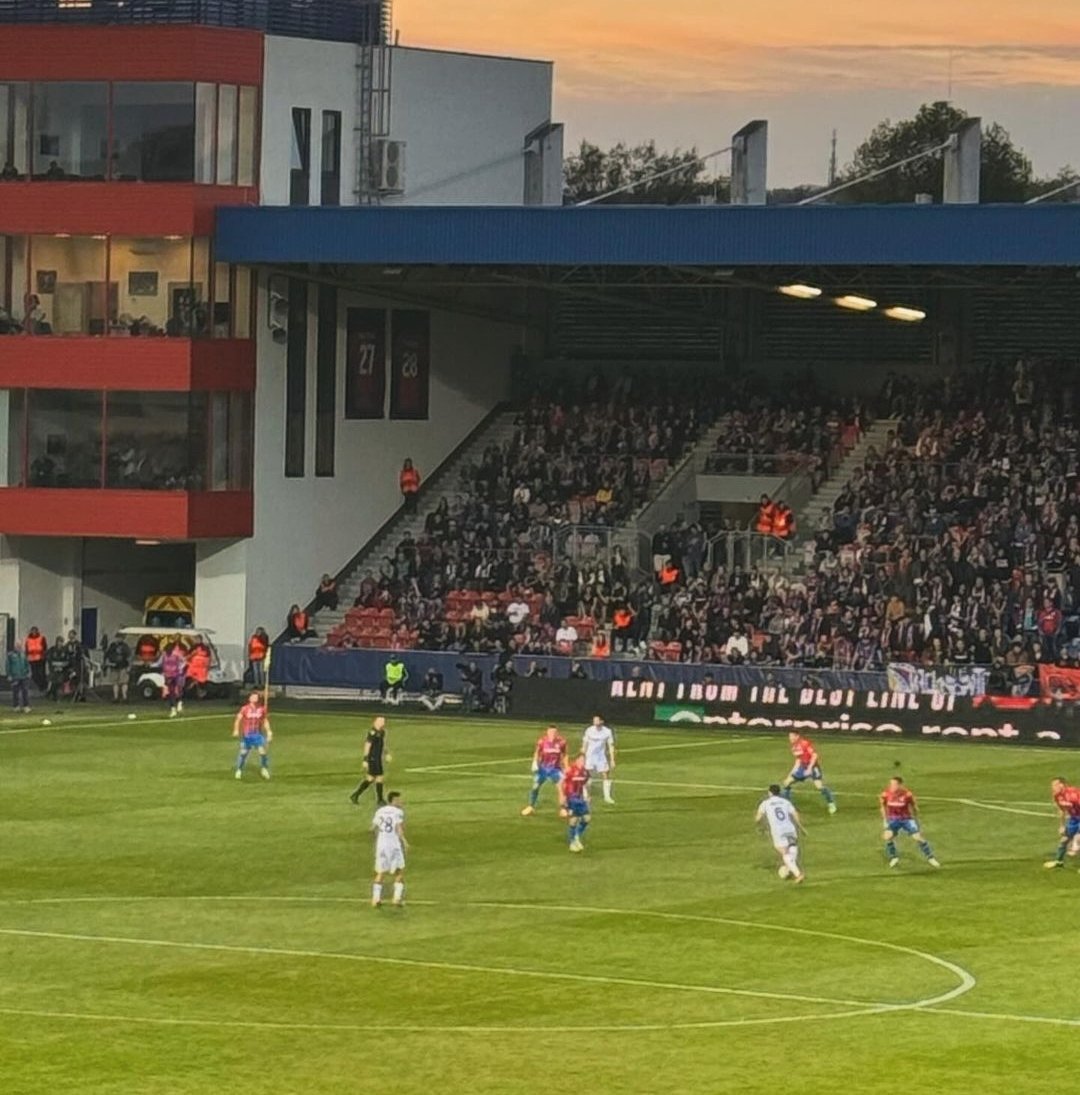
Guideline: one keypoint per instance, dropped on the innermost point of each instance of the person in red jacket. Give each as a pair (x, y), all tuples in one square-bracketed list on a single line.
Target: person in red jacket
[(409, 480)]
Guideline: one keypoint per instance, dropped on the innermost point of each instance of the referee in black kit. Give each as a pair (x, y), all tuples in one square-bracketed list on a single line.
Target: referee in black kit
[(374, 756)]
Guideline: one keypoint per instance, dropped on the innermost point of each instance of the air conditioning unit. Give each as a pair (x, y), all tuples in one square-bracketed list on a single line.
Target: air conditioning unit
[(388, 165)]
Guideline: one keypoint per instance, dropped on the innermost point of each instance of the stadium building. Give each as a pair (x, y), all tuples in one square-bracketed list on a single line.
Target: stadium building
[(177, 423), (255, 258)]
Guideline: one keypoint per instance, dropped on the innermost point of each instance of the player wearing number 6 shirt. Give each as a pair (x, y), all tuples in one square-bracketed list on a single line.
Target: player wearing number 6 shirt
[(388, 825), (548, 762), (784, 828), (900, 814), (1067, 800), (598, 745)]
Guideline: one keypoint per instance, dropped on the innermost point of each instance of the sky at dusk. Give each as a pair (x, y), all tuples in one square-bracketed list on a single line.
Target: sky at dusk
[(691, 72)]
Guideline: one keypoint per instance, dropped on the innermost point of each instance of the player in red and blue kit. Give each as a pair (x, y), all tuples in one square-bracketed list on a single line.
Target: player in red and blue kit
[(252, 727), (899, 814), (549, 760), (807, 766), (575, 803), (1067, 800)]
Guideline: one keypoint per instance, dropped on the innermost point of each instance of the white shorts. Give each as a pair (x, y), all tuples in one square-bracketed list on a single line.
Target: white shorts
[(784, 840), (597, 764), (388, 860)]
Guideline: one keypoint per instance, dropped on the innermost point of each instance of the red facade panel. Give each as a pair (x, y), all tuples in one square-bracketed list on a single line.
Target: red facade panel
[(116, 208), (214, 54), (128, 364), (141, 515)]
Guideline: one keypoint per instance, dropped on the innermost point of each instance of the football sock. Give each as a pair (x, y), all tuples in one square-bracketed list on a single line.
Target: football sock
[(379, 792), (399, 890), (1063, 847), (376, 891), (534, 795), (791, 861), (361, 787), (607, 788), (890, 849), (827, 795), (924, 847), (241, 759), (582, 826), (264, 760), (786, 792)]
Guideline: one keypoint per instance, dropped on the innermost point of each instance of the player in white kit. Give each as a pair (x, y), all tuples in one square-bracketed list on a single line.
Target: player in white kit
[(598, 745), (784, 828), (388, 825)]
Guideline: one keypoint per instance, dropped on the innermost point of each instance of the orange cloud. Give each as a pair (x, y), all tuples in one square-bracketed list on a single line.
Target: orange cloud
[(612, 49)]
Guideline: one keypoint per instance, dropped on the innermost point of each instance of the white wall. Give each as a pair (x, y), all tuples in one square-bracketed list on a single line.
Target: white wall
[(41, 583), (464, 119), (737, 488), (305, 526)]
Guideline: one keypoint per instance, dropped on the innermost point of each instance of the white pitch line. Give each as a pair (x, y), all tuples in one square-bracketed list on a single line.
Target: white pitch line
[(453, 967), (1005, 1017), (59, 724), (738, 787), (854, 1008), (431, 768)]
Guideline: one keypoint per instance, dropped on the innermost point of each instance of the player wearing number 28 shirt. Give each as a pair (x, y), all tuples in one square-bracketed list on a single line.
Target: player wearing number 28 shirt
[(784, 827), (900, 814), (388, 825)]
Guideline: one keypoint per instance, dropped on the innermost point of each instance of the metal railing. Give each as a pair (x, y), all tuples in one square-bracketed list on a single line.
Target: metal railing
[(746, 548), (724, 462), (359, 21)]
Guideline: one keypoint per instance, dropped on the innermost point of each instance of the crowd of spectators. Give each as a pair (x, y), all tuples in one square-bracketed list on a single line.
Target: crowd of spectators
[(958, 544)]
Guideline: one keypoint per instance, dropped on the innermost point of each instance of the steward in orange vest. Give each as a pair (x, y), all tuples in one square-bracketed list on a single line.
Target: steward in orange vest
[(669, 575), (784, 522), (409, 481), (36, 647), (766, 515), (601, 647)]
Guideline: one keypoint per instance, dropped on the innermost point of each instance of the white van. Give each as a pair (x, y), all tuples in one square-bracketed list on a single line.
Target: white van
[(147, 680)]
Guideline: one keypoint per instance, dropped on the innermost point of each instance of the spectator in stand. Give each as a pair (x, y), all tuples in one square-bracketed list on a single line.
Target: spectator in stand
[(36, 648), (565, 638), (326, 595), (409, 481), (298, 627), (18, 672), (118, 667), (258, 645)]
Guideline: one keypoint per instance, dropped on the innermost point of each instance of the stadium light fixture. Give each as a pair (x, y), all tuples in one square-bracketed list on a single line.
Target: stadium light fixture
[(905, 314), (800, 291), (855, 303)]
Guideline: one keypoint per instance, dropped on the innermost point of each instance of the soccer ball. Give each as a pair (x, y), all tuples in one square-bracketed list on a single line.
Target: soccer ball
[(133, 715), (783, 871), (46, 722)]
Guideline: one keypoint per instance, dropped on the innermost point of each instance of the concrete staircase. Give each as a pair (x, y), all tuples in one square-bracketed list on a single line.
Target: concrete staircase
[(445, 482), (809, 515)]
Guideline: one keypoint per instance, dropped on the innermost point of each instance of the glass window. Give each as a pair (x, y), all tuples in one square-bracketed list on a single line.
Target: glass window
[(153, 132), (205, 131), (331, 157), (12, 452), (243, 302), (14, 131), (226, 135), (64, 438), (200, 288), (67, 293), (156, 440), (246, 136), (296, 379), (13, 283), (300, 171), (221, 317), (154, 285), (71, 133), (326, 350), (230, 430)]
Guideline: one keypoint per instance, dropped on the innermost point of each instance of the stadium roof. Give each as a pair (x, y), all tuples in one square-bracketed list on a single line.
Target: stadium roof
[(625, 235)]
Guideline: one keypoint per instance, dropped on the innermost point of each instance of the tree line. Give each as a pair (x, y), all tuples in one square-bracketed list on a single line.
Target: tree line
[(1007, 173)]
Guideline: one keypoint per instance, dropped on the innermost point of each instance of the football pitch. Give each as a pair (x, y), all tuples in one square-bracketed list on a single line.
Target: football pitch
[(165, 929)]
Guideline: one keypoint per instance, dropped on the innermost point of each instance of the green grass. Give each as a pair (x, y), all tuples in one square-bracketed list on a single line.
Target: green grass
[(164, 929)]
